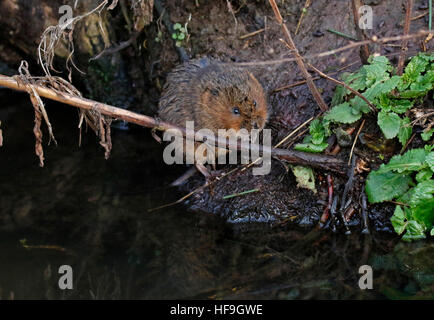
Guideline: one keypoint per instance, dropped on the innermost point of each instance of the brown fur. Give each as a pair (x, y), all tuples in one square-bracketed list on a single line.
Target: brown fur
[(206, 91)]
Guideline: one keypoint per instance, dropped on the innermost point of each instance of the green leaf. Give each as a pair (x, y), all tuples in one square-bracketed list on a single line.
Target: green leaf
[(414, 68), (415, 231), (373, 92), (316, 130), (398, 220), (427, 135), (357, 80), (424, 175), (389, 123), (382, 186), (430, 160), (305, 177), (404, 131), (174, 36), (422, 192), (412, 160), (338, 96), (424, 212), (377, 71), (343, 113), (181, 36), (177, 26)]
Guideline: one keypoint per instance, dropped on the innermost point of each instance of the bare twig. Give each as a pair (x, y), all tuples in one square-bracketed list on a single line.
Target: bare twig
[(371, 106), (303, 13), (355, 141), (364, 49), (374, 39), (404, 48), (317, 96), (299, 83), (251, 34)]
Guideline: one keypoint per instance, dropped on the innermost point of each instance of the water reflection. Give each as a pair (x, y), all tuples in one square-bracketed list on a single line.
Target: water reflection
[(90, 213)]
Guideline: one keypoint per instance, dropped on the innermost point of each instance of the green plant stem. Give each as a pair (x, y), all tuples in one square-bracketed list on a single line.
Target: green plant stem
[(430, 15), (342, 34), (240, 194)]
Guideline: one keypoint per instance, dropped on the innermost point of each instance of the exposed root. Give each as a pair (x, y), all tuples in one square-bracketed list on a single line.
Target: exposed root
[(53, 35)]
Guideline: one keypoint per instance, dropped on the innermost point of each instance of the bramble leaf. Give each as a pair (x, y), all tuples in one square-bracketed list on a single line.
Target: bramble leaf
[(343, 113), (382, 186), (389, 123)]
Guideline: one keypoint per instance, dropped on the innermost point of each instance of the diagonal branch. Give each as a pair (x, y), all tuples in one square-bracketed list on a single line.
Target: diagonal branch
[(317, 161), (322, 74), (317, 96)]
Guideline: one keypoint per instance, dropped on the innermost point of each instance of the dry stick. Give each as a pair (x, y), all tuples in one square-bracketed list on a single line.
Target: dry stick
[(303, 13), (251, 34), (355, 140), (317, 96), (371, 106), (374, 39), (419, 16), (299, 83), (296, 157), (364, 49), (401, 59)]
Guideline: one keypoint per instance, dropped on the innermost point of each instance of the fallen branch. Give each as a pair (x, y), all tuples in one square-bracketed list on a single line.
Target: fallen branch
[(317, 96), (317, 161)]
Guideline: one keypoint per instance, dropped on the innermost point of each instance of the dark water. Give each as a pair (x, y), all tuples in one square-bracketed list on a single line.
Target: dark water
[(92, 214)]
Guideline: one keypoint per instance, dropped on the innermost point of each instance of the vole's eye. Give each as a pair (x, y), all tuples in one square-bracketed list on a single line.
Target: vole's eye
[(254, 103), (236, 110)]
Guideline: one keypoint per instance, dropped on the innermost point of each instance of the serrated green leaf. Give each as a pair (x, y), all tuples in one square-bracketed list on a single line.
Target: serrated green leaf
[(424, 212), (398, 220), (427, 135), (415, 231), (412, 160), (430, 160), (424, 175), (404, 131), (389, 123), (383, 186), (338, 96), (342, 113), (357, 80), (374, 92), (377, 71), (316, 131), (422, 192), (414, 68), (177, 26)]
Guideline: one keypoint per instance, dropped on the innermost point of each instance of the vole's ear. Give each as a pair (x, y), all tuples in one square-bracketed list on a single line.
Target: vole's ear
[(214, 92)]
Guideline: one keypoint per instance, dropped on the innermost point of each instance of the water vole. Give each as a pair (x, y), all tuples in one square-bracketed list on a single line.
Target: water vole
[(215, 96)]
